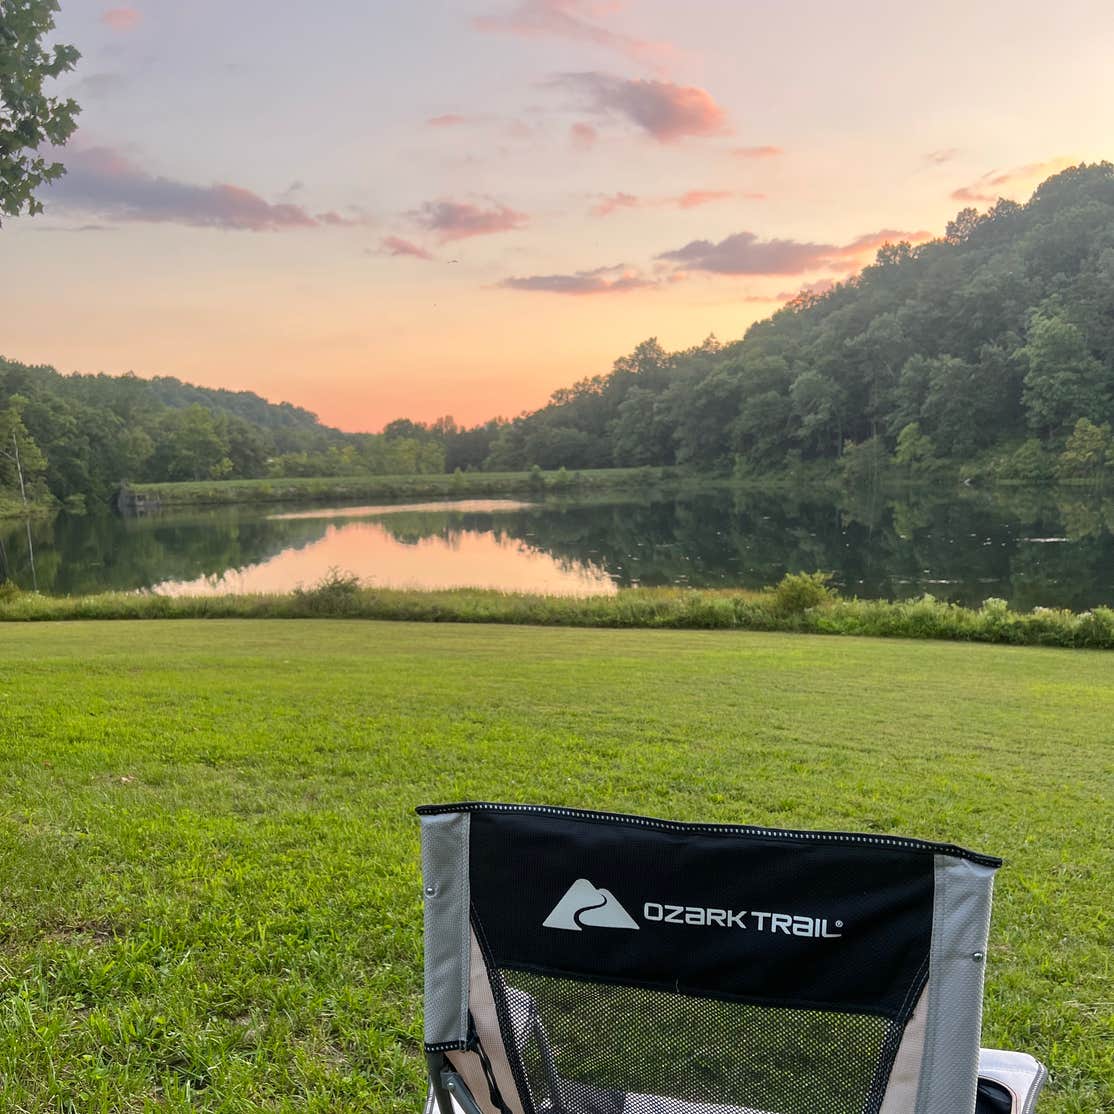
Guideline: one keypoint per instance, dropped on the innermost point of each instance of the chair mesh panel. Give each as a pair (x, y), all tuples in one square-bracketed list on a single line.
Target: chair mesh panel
[(608, 1041)]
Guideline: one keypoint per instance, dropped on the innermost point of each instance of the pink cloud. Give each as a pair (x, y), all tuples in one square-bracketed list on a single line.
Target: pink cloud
[(106, 182), (457, 220), (808, 290), (603, 280), (336, 220), (121, 19), (757, 152), (569, 19), (583, 136), (448, 120), (943, 155), (396, 245), (691, 199), (989, 187), (745, 254), (666, 111), (607, 205), (694, 198)]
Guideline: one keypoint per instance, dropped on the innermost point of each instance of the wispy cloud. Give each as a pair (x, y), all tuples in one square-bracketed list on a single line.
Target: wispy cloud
[(583, 136), (943, 155), (757, 152), (611, 202), (666, 111), (990, 186), (573, 20), (448, 120), (746, 254), (457, 220), (74, 228), (690, 199), (396, 245), (105, 182), (121, 19), (603, 280), (809, 289)]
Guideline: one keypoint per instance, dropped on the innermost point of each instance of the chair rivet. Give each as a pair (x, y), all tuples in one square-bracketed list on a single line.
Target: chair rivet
[(430, 890), (977, 957)]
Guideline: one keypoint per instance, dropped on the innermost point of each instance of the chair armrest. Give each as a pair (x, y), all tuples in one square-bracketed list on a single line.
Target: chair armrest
[(1019, 1073)]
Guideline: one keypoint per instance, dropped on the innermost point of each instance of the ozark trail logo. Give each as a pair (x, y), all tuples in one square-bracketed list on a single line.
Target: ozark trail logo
[(584, 905)]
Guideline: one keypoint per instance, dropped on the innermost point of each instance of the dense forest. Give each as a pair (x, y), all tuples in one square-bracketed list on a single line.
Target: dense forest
[(77, 437), (990, 350), (992, 347)]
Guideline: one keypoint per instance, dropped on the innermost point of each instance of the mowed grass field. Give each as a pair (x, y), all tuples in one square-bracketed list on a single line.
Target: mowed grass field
[(209, 879)]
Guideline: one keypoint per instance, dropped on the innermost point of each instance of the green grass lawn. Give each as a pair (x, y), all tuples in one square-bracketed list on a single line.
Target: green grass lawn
[(209, 887)]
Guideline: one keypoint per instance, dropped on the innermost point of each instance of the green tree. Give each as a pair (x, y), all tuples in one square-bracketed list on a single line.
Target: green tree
[(914, 450), (22, 462), (29, 117), (1089, 452), (191, 445), (1064, 381)]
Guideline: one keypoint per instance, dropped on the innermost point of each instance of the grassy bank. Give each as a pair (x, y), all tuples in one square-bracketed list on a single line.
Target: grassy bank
[(210, 866), (799, 604), (349, 488)]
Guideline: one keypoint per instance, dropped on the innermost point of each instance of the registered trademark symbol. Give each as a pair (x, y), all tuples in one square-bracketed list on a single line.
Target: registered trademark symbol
[(839, 924)]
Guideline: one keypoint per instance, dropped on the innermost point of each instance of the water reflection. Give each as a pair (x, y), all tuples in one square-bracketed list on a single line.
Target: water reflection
[(1053, 549), (452, 559)]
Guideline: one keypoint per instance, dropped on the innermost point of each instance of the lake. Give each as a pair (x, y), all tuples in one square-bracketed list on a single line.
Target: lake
[(1051, 549)]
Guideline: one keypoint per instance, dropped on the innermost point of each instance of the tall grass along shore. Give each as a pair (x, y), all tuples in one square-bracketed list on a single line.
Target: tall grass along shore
[(800, 603), (347, 488)]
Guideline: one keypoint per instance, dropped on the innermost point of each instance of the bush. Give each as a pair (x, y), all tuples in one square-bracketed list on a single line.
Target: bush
[(797, 592), (336, 593)]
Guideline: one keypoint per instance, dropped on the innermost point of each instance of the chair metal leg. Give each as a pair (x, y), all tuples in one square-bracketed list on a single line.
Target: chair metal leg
[(436, 1063)]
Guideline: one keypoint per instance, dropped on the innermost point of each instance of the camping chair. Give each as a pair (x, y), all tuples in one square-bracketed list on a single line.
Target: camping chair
[(592, 963)]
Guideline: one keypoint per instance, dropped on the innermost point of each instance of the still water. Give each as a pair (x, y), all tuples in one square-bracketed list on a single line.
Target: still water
[(1032, 548)]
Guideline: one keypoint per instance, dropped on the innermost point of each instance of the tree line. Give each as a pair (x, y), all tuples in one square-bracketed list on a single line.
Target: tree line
[(990, 348)]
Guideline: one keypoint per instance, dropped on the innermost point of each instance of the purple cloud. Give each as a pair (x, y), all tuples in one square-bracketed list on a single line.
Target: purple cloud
[(566, 19), (396, 245), (603, 280), (457, 220), (745, 254), (989, 187), (664, 110), (103, 181)]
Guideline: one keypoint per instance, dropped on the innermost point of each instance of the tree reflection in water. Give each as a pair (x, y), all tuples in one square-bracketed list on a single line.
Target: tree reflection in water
[(962, 547)]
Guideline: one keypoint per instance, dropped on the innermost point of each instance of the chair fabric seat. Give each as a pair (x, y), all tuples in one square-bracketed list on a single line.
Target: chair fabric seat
[(595, 963)]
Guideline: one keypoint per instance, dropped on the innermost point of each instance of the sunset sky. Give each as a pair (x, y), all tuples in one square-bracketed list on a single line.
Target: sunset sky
[(375, 209)]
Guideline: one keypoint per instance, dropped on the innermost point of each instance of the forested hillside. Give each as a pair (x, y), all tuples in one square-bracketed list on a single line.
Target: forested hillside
[(993, 345), (990, 349), (81, 435)]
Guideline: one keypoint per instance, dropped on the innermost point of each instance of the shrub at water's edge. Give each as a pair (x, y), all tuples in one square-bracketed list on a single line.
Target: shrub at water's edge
[(802, 603)]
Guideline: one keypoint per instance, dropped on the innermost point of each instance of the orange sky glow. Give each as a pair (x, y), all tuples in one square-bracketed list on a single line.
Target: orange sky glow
[(479, 201)]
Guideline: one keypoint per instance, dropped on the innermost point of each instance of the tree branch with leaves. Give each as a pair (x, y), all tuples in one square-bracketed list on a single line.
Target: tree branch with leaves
[(29, 117)]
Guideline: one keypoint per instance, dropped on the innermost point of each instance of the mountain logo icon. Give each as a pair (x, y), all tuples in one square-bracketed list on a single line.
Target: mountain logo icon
[(585, 906)]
